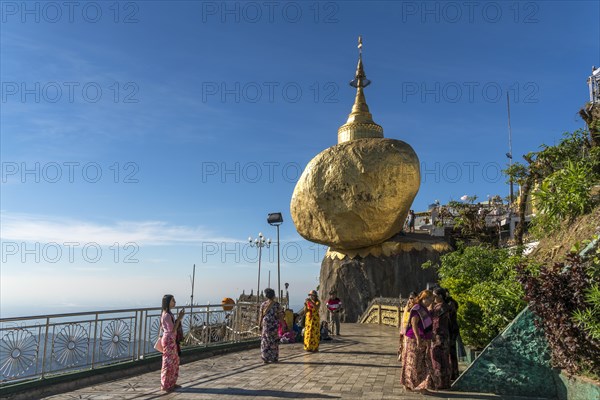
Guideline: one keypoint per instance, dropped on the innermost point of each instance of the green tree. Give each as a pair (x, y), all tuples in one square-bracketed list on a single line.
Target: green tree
[(565, 172), (469, 219), (590, 114), (482, 279)]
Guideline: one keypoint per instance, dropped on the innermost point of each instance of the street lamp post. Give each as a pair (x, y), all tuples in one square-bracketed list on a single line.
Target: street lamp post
[(259, 242), (276, 219)]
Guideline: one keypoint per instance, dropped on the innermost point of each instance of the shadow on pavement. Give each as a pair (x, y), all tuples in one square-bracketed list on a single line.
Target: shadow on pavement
[(254, 393), (330, 363), (476, 396), (376, 353)]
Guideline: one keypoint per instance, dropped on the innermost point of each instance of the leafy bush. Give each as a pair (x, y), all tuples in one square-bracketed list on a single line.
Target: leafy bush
[(560, 295), (589, 318), (482, 279), (564, 195)]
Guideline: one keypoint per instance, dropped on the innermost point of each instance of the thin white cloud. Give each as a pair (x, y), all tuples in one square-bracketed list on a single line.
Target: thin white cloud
[(50, 229), (91, 269)]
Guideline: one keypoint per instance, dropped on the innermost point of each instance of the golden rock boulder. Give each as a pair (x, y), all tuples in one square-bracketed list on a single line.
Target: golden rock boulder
[(357, 193)]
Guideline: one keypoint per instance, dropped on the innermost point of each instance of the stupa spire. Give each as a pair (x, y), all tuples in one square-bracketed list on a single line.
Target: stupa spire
[(360, 122)]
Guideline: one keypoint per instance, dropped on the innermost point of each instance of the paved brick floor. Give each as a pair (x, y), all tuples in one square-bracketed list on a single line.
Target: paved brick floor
[(360, 364)]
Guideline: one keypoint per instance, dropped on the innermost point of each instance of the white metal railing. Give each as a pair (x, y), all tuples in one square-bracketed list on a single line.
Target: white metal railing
[(40, 346)]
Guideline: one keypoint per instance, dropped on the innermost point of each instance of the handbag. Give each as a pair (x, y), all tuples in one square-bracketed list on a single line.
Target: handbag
[(158, 345)]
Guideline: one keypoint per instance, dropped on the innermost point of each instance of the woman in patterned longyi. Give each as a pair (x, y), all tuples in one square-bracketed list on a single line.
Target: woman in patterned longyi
[(440, 344), (170, 359), (416, 355), (312, 326), (271, 314)]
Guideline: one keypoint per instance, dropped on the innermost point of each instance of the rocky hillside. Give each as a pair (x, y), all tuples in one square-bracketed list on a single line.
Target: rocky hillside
[(554, 248)]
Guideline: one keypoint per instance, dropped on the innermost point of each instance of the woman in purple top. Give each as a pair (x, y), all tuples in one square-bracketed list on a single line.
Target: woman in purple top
[(416, 366)]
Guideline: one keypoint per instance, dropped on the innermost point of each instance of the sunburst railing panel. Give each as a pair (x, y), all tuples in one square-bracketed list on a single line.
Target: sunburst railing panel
[(41, 346)]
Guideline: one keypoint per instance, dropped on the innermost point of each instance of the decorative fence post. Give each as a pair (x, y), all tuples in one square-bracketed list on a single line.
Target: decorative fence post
[(45, 347), (95, 339), (208, 324), (140, 336)]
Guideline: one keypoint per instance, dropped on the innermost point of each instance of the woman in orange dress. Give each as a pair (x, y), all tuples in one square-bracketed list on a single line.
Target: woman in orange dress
[(312, 326)]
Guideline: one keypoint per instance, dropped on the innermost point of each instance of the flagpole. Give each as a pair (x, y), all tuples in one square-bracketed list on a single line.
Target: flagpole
[(193, 279), (509, 154)]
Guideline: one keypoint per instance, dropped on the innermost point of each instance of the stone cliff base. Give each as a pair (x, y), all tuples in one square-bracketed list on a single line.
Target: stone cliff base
[(392, 270)]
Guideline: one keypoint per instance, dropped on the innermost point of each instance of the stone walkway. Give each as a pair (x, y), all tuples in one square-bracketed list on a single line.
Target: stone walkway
[(360, 364)]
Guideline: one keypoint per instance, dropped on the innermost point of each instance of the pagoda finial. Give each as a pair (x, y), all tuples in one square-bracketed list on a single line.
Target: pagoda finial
[(360, 78), (360, 122)]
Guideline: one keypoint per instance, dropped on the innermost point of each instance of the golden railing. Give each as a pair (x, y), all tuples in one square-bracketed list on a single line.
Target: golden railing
[(383, 311)]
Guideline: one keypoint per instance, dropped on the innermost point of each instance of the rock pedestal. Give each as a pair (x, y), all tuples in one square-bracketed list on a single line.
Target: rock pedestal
[(393, 271)]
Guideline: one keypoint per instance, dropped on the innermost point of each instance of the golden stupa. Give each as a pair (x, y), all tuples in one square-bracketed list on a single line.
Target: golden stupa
[(357, 193)]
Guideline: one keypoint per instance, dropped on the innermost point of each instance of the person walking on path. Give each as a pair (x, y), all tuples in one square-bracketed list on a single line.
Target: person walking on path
[(334, 308), (170, 358), (404, 322), (271, 315), (440, 344), (416, 356), (312, 326)]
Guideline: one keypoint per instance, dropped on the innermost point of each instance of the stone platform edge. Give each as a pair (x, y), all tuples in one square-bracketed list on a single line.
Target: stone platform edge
[(576, 388), (35, 389)]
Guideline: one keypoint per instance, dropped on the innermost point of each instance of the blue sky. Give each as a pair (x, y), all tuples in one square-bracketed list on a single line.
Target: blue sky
[(139, 138)]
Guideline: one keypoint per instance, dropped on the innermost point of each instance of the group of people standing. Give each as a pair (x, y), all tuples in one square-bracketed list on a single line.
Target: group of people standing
[(427, 346), (428, 335), (271, 320), (271, 317)]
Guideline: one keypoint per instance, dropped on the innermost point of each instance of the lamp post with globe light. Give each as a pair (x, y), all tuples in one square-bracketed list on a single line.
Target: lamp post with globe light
[(259, 242)]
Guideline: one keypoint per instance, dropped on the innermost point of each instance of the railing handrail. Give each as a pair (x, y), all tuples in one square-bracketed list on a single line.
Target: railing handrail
[(118, 311), (39, 346)]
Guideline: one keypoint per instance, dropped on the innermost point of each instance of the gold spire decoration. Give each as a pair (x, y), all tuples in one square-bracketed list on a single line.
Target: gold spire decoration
[(360, 122)]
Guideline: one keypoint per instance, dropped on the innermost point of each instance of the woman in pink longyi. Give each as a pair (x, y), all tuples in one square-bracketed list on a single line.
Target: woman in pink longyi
[(170, 360), (416, 356)]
